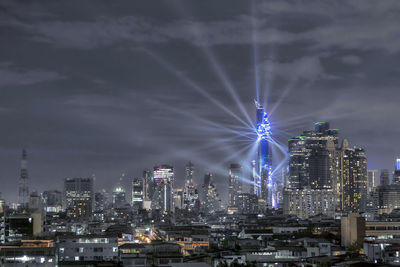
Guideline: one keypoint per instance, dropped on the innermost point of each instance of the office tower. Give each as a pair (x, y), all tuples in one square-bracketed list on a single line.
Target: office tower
[(191, 196), (178, 198), (52, 200), (119, 196), (388, 198), (211, 200), (100, 201), (247, 203), (264, 157), (311, 185), (147, 184), (137, 193), (24, 181), (372, 180), (163, 178), (163, 173), (354, 179), (79, 197), (385, 177), (323, 176), (235, 184), (396, 173)]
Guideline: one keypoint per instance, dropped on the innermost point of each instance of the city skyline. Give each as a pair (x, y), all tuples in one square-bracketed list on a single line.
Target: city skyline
[(80, 114)]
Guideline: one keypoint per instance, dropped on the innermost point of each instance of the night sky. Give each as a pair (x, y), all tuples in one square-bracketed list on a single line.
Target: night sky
[(110, 87)]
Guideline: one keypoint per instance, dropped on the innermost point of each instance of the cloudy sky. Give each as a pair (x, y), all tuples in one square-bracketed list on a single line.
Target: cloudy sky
[(109, 87)]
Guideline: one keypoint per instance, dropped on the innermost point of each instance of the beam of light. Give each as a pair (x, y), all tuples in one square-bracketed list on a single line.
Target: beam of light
[(212, 126), (216, 66), (221, 74), (193, 85), (255, 49)]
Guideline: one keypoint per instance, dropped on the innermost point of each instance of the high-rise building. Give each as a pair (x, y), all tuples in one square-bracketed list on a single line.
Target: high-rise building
[(354, 179), (235, 184), (24, 181), (211, 201), (163, 178), (52, 200), (137, 193), (388, 198), (264, 181), (385, 177), (79, 197), (119, 196), (148, 189), (396, 173), (247, 203), (372, 180), (191, 195), (331, 177)]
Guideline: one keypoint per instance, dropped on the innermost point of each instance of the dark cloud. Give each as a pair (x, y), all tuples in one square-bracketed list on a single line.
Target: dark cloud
[(103, 87)]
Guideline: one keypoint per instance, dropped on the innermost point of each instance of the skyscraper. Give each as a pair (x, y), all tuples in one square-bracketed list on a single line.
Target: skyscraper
[(211, 200), (396, 173), (79, 197), (372, 180), (163, 178), (324, 177), (24, 181), (137, 193), (235, 184), (385, 177), (264, 157), (118, 196), (191, 196), (354, 179)]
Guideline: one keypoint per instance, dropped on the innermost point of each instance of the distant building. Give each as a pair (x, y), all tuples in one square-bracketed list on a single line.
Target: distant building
[(138, 193), (332, 177), (396, 173), (307, 202), (79, 197), (247, 203), (191, 199), (211, 200), (372, 183), (163, 178), (354, 179), (52, 200), (235, 185), (388, 198), (385, 177), (119, 196)]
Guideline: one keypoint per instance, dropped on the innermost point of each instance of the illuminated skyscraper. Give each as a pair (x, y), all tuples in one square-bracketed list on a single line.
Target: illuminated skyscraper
[(396, 173), (163, 178), (324, 177), (191, 196), (137, 193), (264, 158), (79, 197)]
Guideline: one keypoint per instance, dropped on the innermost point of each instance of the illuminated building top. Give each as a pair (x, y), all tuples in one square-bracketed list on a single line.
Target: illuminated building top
[(263, 124)]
